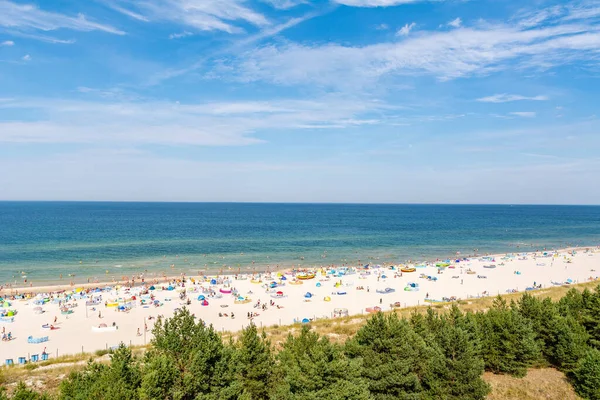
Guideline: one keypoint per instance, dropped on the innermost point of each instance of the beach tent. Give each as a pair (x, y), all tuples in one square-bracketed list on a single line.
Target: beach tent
[(201, 297), (283, 278), (204, 302), (213, 281), (308, 295), (305, 320), (170, 288), (318, 284), (327, 298)]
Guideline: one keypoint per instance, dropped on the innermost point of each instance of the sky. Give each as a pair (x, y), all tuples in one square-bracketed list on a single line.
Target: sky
[(374, 101)]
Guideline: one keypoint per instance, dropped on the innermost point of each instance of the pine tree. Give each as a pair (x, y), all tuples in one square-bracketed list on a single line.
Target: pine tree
[(313, 368), (187, 361), (396, 362), (508, 341), (254, 370), (456, 337), (586, 377)]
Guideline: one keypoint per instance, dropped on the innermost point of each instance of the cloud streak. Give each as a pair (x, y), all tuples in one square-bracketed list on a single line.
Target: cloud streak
[(27, 18), (524, 114), (376, 3), (202, 15), (505, 98), (167, 123)]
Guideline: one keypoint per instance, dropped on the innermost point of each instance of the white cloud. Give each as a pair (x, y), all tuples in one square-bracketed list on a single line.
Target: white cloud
[(180, 35), (524, 114), (202, 15), (26, 57), (285, 4), (7, 43), (457, 53), (236, 47), (25, 18), (405, 30), (127, 12), (382, 27), (455, 23), (168, 123), (376, 3), (505, 98)]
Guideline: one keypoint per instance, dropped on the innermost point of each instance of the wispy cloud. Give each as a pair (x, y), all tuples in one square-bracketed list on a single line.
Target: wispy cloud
[(505, 98), (405, 30), (461, 52), (524, 114), (455, 23), (7, 43), (180, 35), (382, 27), (127, 12), (174, 123), (376, 3), (285, 4), (25, 19), (239, 45), (198, 14), (26, 57)]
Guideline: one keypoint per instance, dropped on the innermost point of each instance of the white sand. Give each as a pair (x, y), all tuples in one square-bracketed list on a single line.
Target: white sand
[(76, 332)]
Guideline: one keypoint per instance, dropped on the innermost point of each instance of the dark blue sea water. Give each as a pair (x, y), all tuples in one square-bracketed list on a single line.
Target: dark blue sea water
[(102, 240)]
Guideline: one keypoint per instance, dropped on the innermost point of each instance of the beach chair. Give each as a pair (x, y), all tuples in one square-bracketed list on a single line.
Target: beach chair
[(34, 358), (22, 360), (9, 362)]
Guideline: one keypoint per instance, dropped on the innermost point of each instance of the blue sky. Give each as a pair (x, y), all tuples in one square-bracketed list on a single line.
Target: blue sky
[(448, 101)]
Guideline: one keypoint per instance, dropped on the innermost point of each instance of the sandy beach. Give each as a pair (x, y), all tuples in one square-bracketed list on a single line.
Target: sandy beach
[(62, 323)]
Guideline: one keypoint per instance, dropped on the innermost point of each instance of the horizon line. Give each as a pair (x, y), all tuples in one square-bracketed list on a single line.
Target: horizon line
[(296, 203)]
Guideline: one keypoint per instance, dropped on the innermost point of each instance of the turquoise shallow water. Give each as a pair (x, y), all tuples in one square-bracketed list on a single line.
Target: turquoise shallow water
[(46, 239)]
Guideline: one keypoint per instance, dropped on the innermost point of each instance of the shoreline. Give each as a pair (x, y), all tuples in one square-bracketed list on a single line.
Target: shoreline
[(156, 277), (77, 321)]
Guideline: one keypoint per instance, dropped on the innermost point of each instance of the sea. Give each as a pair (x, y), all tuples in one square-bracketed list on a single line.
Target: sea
[(54, 242)]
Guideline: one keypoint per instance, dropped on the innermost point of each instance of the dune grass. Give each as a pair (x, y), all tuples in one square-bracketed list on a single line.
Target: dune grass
[(543, 383)]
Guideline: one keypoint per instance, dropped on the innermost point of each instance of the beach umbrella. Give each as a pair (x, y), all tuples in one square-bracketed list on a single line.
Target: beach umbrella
[(318, 284), (201, 297), (308, 295), (280, 293), (204, 303)]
